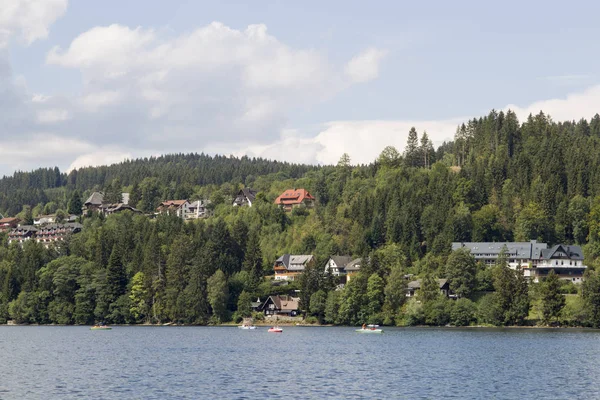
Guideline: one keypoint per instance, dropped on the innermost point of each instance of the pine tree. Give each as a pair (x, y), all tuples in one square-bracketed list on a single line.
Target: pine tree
[(75, 204), (411, 153), (552, 300)]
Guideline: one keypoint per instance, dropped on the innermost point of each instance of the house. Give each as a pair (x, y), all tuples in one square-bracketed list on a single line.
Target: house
[(6, 224), (288, 266), (292, 198), (255, 305), (197, 209), (51, 219), (109, 209), (56, 232), (352, 268), (281, 305), (94, 202), (184, 209), (566, 261), (245, 197), (535, 259), (336, 265), (21, 234), (416, 285)]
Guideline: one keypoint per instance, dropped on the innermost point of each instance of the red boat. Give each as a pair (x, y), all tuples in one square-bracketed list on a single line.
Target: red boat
[(275, 329)]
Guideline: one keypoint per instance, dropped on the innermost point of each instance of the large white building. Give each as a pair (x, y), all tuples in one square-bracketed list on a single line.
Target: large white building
[(536, 259)]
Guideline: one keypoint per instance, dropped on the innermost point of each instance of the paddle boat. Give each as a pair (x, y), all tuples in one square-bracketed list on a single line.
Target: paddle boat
[(247, 327), (370, 329), (275, 329), (100, 328), (247, 323)]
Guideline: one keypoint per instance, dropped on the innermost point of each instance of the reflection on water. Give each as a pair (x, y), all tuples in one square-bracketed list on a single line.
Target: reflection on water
[(219, 362)]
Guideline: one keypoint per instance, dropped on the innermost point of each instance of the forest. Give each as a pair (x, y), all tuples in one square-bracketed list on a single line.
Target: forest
[(498, 180)]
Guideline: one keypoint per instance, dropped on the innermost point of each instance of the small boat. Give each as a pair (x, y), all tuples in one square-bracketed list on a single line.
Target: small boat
[(370, 329), (275, 329), (247, 323), (247, 327), (100, 328)]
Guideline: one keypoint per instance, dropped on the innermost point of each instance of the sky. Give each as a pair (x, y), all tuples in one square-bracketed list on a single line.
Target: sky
[(84, 82)]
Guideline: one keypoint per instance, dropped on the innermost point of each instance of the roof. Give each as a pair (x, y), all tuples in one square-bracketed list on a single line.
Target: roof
[(520, 250), (294, 262), (121, 207), (341, 261), (71, 225), (571, 252), (170, 203), (96, 199), (283, 303), (294, 196), (248, 193), (417, 284), (8, 220), (354, 265)]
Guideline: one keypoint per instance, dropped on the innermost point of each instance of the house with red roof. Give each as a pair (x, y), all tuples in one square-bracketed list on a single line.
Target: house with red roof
[(6, 224), (292, 198)]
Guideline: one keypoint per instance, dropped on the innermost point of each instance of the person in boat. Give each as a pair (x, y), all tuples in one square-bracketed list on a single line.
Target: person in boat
[(364, 326)]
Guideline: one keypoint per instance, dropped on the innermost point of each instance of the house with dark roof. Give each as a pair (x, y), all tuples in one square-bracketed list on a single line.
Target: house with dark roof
[(281, 305), (21, 234), (565, 260), (288, 266), (109, 209), (413, 287), (184, 209), (54, 233), (343, 267), (245, 197), (94, 202), (534, 258), (292, 198)]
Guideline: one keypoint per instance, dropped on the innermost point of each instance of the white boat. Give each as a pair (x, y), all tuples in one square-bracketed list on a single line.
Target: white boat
[(370, 329), (247, 327)]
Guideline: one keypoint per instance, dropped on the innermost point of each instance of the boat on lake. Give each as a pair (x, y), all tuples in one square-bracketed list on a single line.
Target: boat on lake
[(275, 329), (370, 329), (248, 323), (100, 328)]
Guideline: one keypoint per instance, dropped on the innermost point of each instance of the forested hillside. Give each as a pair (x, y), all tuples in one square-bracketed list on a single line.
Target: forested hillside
[(499, 180), (177, 173)]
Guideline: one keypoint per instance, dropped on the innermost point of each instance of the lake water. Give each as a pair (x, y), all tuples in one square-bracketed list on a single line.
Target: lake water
[(302, 363)]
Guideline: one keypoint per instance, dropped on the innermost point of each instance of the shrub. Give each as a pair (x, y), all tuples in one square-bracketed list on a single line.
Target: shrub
[(311, 320), (463, 312), (413, 314), (438, 312)]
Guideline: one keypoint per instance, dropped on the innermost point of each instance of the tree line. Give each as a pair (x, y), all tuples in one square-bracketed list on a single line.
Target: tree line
[(498, 180)]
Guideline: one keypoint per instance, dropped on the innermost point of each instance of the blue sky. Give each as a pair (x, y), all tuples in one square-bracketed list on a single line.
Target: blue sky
[(87, 82)]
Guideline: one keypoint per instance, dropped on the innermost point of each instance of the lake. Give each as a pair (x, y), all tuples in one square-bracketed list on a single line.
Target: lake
[(301, 363)]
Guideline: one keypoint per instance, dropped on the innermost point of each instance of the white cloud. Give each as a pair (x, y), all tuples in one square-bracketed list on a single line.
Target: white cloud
[(365, 66), (574, 106), (28, 20), (103, 156), (52, 115)]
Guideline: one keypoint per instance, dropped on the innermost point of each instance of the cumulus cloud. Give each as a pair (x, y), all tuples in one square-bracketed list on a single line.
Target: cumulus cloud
[(365, 66), (574, 106), (28, 20)]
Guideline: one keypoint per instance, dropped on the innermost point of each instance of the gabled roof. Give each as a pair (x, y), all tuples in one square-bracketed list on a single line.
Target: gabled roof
[(96, 199), (572, 252), (294, 262), (417, 284), (354, 265), (8, 220), (171, 204), (341, 261), (250, 194), (283, 303), (294, 196)]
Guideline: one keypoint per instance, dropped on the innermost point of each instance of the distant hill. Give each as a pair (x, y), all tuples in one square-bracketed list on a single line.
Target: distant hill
[(185, 170)]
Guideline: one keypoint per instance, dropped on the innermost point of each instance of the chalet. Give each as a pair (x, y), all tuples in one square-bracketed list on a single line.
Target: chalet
[(566, 261), (336, 265), (281, 305), (174, 207), (292, 198), (416, 285), (94, 202), (288, 266), (535, 259), (6, 224), (21, 234), (245, 197)]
